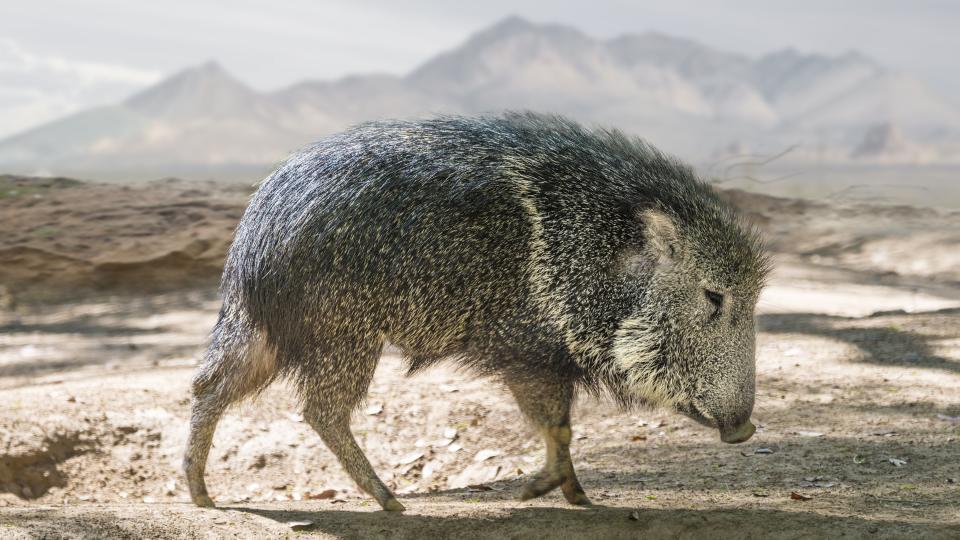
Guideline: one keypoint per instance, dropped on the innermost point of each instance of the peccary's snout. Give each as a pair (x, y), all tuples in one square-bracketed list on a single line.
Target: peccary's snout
[(728, 412), (735, 427), (732, 405), (733, 432), (738, 434)]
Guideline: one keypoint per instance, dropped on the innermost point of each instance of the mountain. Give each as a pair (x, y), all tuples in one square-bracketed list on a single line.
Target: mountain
[(516, 64), (201, 116), (695, 62), (793, 82), (356, 99), (206, 90), (684, 96)]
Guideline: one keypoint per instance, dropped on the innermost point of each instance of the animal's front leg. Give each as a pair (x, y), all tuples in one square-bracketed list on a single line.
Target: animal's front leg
[(545, 400)]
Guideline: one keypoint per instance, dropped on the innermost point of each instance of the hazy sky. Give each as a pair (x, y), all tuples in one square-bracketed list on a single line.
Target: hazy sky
[(60, 55)]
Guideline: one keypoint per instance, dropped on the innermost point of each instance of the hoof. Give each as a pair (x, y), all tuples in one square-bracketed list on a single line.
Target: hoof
[(203, 501), (393, 505)]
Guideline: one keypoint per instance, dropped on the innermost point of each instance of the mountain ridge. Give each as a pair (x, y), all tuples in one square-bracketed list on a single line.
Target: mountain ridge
[(679, 93)]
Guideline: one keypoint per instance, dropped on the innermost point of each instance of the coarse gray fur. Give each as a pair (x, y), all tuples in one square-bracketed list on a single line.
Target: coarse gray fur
[(525, 247)]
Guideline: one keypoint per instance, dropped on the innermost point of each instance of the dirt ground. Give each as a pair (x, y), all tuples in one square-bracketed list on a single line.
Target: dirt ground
[(858, 412)]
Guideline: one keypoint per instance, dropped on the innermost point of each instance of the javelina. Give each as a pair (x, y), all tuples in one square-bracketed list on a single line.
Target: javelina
[(551, 257)]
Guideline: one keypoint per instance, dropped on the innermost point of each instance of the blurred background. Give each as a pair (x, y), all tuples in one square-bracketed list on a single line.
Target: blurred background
[(132, 135), (804, 99)]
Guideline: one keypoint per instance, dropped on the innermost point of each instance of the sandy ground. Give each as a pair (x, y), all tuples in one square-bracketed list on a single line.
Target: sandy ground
[(858, 412)]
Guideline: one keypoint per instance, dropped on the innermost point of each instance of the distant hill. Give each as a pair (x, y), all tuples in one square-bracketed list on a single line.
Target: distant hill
[(684, 96)]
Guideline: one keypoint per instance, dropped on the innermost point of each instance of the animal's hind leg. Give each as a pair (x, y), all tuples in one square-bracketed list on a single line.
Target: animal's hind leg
[(336, 387), (228, 374), (546, 399)]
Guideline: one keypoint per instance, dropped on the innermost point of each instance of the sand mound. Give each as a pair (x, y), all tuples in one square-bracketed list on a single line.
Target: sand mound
[(66, 236), (892, 240)]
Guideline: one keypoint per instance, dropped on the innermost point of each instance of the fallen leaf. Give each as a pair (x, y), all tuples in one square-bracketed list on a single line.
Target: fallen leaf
[(634, 516), (300, 525), (798, 497), (325, 494), (636, 438), (485, 454)]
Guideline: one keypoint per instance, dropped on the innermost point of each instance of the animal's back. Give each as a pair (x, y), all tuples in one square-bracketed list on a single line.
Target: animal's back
[(409, 230)]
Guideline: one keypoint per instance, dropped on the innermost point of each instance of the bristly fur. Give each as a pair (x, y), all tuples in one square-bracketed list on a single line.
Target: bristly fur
[(496, 241)]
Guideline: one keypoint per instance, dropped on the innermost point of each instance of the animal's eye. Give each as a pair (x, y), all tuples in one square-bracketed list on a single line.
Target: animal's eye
[(716, 299)]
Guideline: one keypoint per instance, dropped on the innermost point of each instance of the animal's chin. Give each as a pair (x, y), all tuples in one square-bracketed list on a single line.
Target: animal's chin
[(690, 410)]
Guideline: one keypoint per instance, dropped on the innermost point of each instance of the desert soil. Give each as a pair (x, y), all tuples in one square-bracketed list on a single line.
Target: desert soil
[(858, 405)]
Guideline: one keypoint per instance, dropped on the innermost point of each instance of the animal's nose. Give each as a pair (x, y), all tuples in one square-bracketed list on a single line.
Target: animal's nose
[(738, 434)]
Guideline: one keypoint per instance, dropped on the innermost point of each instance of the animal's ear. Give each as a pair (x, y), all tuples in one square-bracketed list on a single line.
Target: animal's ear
[(663, 242)]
